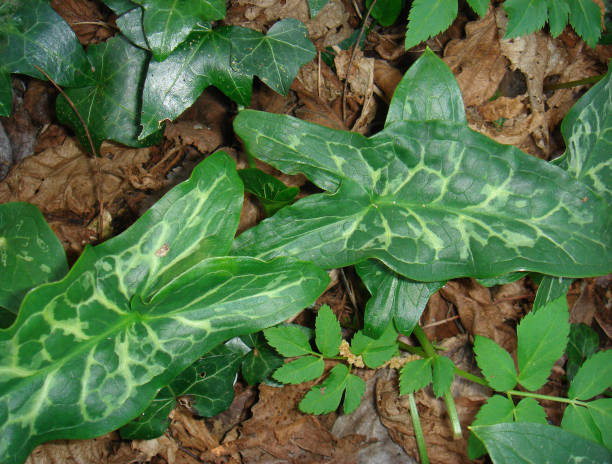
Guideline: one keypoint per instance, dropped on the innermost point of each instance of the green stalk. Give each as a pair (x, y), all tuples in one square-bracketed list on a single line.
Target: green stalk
[(567, 85), (547, 397), (471, 377), (418, 430)]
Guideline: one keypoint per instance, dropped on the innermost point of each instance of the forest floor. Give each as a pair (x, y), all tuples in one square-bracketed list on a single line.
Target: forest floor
[(507, 95)]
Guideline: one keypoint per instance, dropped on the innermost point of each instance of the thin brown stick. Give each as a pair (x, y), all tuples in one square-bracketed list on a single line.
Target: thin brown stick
[(443, 321), (350, 64), (319, 74), (93, 152)]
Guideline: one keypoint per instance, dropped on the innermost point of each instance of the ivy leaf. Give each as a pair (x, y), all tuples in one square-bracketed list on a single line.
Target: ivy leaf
[(275, 57), (443, 371), (524, 443), (495, 363), (428, 18), (32, 33), (130, 25), (479, 6), (300, 370), (375, 351), (529, 410), (593, 378), (415, 197), (326, 397), (525, 16), (558, 15), (30, 253), (589, 143), (355, 388), (578, 420), (601, 412), (328, 334), (542, 337), (167, 23), (585, 18), (583, 342), (288, 340), (497, 409), (201, 61), (208, 382), (119, 6), (110, 103), (414, 376), (261, 361), (90, 352), (394, 298)]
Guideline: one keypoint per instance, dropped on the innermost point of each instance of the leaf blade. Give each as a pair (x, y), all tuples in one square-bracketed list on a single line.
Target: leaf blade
[(496, 364), (328, 334)]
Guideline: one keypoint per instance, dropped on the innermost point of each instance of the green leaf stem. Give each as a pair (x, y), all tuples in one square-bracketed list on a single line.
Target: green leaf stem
[(90, 352)]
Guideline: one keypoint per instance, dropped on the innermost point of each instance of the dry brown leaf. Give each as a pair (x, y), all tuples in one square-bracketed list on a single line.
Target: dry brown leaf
[(95, 451), (386, 78), (85, 19)]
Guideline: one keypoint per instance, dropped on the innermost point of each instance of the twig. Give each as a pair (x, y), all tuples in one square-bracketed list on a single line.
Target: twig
[(443, 321), (93, 152), (350, 64)]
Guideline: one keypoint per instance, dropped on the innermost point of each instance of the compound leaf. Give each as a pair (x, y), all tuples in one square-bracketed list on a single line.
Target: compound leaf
[(495, 363), (300, 370), (90, 352), (32, 33), (427, 18), (275, 57), (526, 443), (110, 102), (167, 23), (542, 338), (394, 298), (585, 18), (30, 253), (593, 378), (415, 375), (479, 6), (558, 14), (578, 420), (496, 410), (375, 351), (529, 410), (355, 388), (288, 340), (443, 371), (525, 16), (201, 61), (326, 397), (601, 412), (328, 334)]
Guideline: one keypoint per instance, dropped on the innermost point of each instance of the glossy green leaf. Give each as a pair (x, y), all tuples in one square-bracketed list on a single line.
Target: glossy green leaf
[(525, 443), (443, 372), (119, 6), (525, 16), (174, 84), (275, 57), (549, 289), (167, 23), (502, 280), (497, 409), (90, 352), (593, 378), (583, 342), (529, 410), (479, 6), (495, 363), (585, 18), (394, 298), (558, 15), (542, 338), (30, 253), (355, 388), (326, 397), (288, 340), (586, 130), (427, 18), (415, 375), (271, 192), (328, 334), (130, 24), (261, 361), (601, 412), (33, 34), (300, 370), (375, 351), (110, 102), (578, 420), (385, 12), (209, 384)]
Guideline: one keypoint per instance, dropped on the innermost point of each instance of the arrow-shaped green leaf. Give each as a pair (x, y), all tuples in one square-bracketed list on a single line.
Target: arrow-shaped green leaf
[(89, 353)]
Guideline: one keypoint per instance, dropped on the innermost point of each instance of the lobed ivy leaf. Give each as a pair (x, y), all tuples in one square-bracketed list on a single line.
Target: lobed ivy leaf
[(300, 370), (427, 18), (583, 342), (529, 410), (260, 361), (431, 199), (32, 33), (443, 372), (328, 334), (167, 23), (130, 25), (90, 352), (30, 253), (495, 363), (578, 420), (542, 338), (593, 378), (375, 351), (275, 57), (415, 375), (209, 384), (497, 409), (173, 85), (109, 103), (523, 443)]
